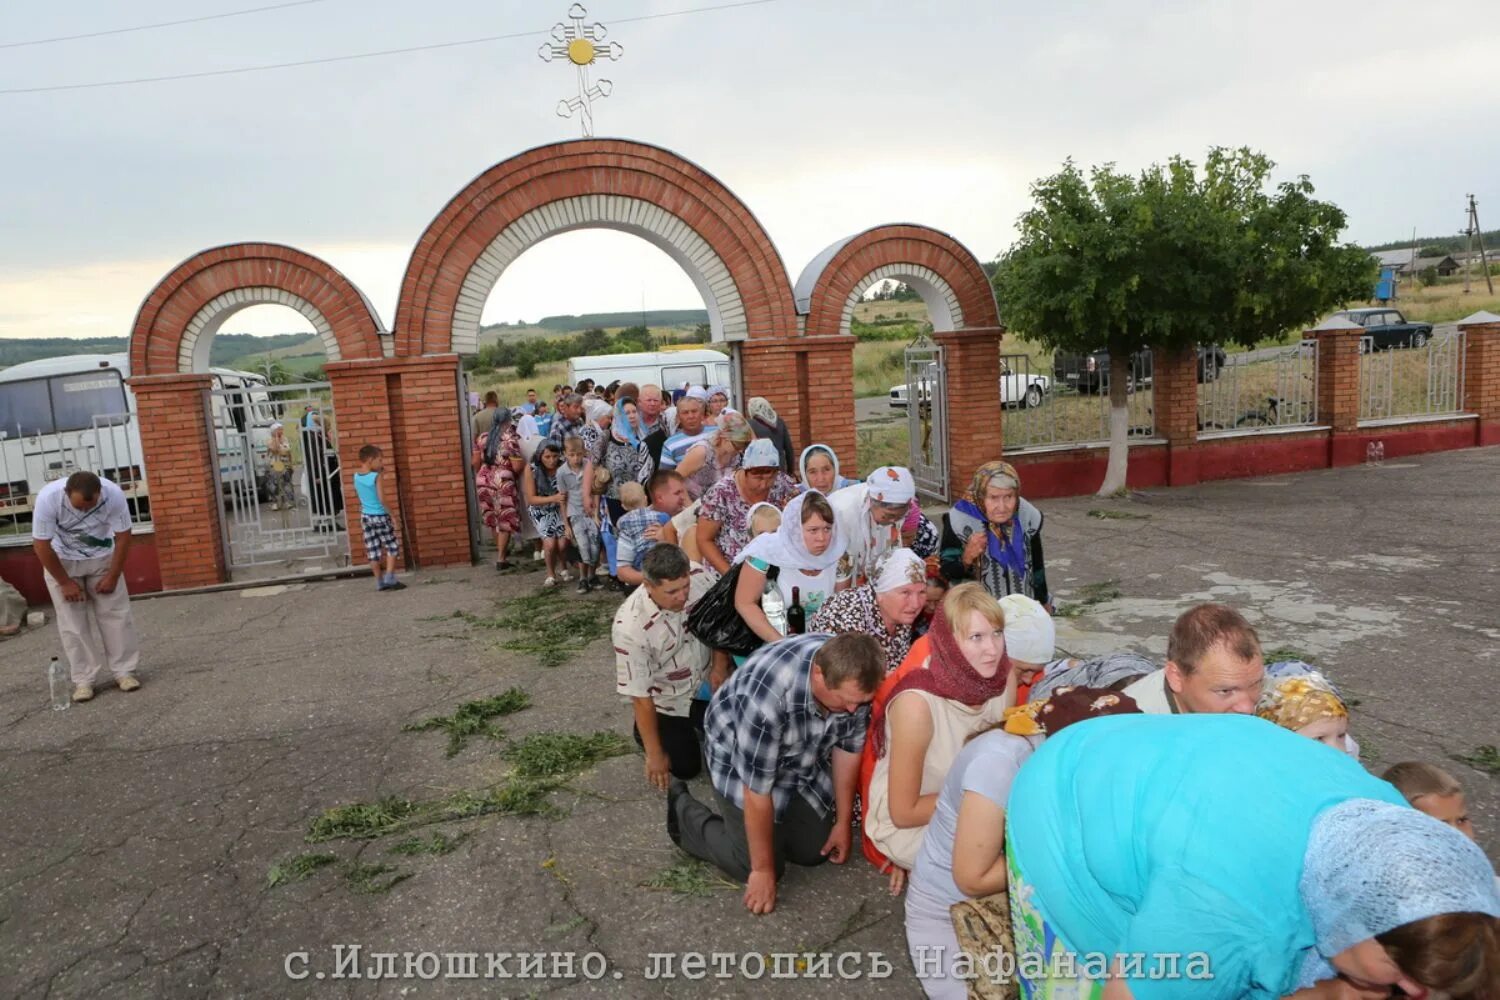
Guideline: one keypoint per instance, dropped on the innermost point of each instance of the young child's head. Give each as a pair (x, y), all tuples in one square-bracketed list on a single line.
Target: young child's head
[(764, 519), (937, 589), (632, 496), (370, 458), (1434, 791), (1308, 705), (573, 452)]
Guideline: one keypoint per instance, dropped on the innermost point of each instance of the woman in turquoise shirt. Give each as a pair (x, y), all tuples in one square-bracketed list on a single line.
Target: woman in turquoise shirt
[(1252, 853)]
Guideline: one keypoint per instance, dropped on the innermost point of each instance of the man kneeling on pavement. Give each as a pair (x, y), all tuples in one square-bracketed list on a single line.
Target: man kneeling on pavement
[(782, 738)]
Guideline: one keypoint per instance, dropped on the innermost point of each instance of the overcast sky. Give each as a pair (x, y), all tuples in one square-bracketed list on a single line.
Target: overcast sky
[(825, 117)]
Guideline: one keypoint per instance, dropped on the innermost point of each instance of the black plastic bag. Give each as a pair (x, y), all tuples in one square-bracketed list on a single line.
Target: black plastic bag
[(717, 623)]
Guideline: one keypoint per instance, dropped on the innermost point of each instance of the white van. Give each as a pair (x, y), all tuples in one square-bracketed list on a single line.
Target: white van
[(667, 369)]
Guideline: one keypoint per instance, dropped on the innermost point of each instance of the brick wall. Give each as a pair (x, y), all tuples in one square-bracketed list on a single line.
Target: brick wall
[(810, 382), (972, 361), (180, 474), (1174, 387), (1482, 378), (410, 408), (1338, 377)]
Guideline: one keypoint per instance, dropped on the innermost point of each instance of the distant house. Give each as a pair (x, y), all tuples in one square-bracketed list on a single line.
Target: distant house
[(1401, 262)]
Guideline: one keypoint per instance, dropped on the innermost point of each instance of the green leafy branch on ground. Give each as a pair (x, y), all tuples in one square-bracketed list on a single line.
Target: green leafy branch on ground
[(297, 869), (358, 876), (689, 877), (472, 718), (1090, 595), (548, 627), (1483, 758)]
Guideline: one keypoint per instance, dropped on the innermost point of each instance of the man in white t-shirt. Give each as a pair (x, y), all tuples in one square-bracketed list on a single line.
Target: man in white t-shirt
[(80, 529)]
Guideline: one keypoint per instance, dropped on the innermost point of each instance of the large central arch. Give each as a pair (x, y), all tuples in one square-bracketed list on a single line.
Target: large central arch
[(591, 183)]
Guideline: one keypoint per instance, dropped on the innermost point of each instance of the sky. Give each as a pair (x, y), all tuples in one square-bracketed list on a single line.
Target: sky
[(824, 117)]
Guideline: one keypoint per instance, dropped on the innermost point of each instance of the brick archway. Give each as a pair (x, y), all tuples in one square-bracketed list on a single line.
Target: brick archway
[(176, 322), (591, 183), (950, 280), (960, 301)]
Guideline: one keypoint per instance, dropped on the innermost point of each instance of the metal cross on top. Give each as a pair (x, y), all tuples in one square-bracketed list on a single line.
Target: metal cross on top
[(580, 44)]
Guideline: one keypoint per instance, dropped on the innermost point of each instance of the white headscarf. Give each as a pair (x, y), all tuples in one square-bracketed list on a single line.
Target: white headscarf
[(898, 568), (593, 409), (786, 547)]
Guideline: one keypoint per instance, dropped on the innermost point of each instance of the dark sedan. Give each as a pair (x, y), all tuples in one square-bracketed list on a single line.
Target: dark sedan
[(1088, 372), (1386, 328)]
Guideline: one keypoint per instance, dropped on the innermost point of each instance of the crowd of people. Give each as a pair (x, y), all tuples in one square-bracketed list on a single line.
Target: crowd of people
[(832, 660)]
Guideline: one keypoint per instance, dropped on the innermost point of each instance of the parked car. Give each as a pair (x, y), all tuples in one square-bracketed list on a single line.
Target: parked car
[(1016, 390), (1087, 373), (1386, 328)]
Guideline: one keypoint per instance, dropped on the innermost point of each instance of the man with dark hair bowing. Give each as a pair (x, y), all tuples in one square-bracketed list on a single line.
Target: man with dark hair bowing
[(783, 738)]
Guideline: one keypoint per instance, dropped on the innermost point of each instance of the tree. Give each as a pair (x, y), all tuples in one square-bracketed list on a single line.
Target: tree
[(525, 361), (1173, 258), (594, 341), (636, 338)]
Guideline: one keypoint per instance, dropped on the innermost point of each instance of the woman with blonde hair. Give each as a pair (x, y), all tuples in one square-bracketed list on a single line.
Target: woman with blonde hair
[(709, 461)]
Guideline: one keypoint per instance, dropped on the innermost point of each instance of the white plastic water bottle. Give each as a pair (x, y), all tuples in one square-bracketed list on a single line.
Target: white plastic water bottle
[(57, 685)]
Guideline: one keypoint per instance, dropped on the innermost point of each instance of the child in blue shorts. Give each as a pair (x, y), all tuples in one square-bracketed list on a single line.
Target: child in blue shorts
[(381, 544)]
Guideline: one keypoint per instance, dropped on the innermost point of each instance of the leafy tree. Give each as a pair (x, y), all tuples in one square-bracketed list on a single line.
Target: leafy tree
[(594, 341), (702, 334), (635, 338), (1428, 277), (525, 361), (1172, 258)]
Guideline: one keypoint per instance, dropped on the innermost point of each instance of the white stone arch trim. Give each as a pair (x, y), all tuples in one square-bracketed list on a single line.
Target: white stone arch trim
[(666, 231), (193, 353), (941, 300)]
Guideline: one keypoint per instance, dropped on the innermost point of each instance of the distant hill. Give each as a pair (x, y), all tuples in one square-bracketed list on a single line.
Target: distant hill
[(589, 321), (227, 347), (1449, 244)]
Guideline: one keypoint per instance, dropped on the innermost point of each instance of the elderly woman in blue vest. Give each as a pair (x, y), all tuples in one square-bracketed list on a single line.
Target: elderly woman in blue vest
[(1218, 845), (995, 537)]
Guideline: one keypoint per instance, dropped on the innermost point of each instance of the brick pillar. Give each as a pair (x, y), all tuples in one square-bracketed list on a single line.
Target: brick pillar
[(1482, 374), (810, 382), (972, 360), (1174, 398), (1338, 387), (186, 513), (409, 408)]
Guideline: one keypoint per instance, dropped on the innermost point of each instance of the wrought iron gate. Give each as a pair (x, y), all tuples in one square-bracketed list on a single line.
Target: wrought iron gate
[(281, 508), (927, 417)]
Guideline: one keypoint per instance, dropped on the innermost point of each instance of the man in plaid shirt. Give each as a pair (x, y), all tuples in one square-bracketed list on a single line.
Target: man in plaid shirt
[(783, 739)]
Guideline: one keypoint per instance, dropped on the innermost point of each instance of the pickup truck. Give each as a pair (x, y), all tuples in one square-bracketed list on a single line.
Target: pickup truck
[(1386, 328), (1016, 390)]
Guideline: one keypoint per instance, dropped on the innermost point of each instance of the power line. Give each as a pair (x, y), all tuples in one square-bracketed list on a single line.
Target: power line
[(160, 24), (362, 55)]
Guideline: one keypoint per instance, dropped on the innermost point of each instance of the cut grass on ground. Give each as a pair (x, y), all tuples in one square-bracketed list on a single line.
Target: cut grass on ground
[(371, 880), (297, 869), (1109, 514), (1484, 758), (548, 626), (1090, 595), (563, 755), (437, 843), (689, 877), (472, 718)]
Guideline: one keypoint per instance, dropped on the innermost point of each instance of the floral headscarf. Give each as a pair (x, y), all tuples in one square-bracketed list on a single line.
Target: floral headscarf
[(1007, 543), (1300, 701)]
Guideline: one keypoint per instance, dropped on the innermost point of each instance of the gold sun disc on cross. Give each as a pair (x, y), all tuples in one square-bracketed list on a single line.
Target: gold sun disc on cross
[(582, 44)]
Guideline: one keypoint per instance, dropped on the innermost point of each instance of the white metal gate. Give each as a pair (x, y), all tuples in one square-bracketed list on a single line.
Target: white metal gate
[(927, 417), (282, 507)]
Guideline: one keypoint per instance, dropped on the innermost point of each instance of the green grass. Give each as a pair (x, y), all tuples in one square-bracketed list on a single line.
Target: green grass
[(548, 625), (1484, 758), (297, 869), (689, 877), (1090, 595), (1105, 514), (472, 718), (554, 755), (1282, 653), (437, 843), (363, 820), (371, 880)]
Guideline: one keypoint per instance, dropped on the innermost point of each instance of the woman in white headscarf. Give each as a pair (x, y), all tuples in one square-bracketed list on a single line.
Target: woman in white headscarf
[(871, 516), (886, 607), (767, 423), (598, 418), (802, 557), (718, 401)]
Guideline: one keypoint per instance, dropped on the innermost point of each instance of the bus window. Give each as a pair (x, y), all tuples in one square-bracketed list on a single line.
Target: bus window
[(78, 399), (25, 409), (672, 377)]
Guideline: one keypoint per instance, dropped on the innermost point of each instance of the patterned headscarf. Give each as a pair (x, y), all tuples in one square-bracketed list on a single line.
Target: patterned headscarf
[(1300, 701), (896, 568), (762, 410), (1007, 542), (1066, 706)]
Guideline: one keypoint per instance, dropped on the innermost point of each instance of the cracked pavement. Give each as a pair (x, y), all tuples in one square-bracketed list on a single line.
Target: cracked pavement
[(140, 828)]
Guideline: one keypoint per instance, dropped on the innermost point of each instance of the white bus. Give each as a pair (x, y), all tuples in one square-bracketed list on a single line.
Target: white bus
[(666, 369), (62, 415)]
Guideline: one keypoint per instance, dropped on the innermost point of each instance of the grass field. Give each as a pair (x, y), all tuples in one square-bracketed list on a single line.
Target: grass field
[(1445, 301)]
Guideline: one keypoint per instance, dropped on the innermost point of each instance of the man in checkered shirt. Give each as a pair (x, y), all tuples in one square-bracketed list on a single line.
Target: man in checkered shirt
[(783, 739)]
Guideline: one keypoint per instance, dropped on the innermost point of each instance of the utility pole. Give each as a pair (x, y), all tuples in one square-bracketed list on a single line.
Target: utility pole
[(1475, 233)]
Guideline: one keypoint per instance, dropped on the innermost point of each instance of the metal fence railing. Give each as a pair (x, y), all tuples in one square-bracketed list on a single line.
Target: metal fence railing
[(1070, 404), (1412, 381), (111, 447), (1273, 387)]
